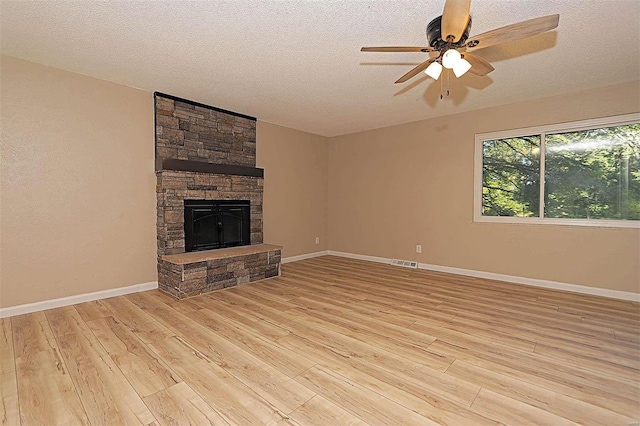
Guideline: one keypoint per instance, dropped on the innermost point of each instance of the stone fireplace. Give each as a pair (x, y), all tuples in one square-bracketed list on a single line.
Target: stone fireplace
[(207, 154)]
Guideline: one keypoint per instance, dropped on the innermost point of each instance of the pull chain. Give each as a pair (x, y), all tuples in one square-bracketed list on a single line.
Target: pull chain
[(444, 84)]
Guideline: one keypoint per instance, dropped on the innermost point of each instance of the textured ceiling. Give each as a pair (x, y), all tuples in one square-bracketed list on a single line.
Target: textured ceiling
[(298, 64)]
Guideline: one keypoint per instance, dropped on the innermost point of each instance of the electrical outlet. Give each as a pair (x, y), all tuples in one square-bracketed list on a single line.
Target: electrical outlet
[(317, 240), (418, 248)]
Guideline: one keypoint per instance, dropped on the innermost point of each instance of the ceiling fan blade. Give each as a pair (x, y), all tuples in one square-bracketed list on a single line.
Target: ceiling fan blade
[(455, 19), (513, 32), (398, 49), (478, 65), (423, 66)]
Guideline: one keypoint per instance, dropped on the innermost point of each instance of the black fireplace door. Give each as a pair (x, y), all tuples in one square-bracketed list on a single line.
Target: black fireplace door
[(211, 224)]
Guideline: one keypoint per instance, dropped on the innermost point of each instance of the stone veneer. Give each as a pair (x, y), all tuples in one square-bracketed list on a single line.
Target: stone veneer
[(197, 134), (187, 131), (176, 186)]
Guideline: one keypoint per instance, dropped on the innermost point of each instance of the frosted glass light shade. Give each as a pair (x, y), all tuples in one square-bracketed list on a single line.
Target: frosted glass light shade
[(461, 67), (433, 70), (451, 58)]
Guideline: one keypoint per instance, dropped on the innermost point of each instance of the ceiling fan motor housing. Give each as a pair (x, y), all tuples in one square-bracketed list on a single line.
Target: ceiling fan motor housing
[(434, 35)]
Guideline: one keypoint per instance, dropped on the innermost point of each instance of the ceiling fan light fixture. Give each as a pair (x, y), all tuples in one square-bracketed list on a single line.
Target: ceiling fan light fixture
[(461, 67), (434, 70), (451, 58)]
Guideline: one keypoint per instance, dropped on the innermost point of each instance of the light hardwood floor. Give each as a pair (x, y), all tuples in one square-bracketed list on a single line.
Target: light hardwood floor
[(331, 342)]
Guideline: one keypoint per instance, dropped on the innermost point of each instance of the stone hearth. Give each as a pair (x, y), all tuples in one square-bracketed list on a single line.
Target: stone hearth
[(190, 274)]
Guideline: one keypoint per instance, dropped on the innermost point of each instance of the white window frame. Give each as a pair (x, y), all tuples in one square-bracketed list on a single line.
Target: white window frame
[(573, 126)]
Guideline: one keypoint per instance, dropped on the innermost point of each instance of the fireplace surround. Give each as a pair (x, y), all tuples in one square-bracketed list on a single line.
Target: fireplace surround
[(206, 155)]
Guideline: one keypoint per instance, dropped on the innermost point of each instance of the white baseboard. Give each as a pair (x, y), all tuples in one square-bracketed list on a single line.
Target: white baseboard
[(304, 256), (575, 288), (104, 294), (360, 256), (72, 300)]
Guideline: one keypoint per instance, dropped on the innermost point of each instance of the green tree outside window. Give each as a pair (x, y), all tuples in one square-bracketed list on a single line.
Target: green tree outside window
[(589, 174)]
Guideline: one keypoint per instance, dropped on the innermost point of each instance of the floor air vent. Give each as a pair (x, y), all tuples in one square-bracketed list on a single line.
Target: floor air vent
[(405, 263)]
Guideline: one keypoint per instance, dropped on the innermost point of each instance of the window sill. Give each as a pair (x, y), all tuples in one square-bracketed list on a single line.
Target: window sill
[(599, 223)]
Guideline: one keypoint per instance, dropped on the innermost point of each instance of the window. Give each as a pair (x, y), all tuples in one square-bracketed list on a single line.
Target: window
[(581, 173)]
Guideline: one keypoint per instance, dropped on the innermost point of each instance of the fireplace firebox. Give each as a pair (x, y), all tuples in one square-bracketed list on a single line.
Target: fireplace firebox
[(213, 224)]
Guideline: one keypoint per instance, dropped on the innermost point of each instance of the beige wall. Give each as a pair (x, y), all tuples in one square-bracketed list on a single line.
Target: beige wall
[(77, 175), (78, 185), (295, 188), (393, 188)]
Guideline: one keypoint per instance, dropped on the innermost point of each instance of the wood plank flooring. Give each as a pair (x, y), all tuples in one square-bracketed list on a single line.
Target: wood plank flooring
[(332, 341)]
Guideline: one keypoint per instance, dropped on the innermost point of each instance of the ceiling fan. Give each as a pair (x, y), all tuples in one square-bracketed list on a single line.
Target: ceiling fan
[(448, 36)]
